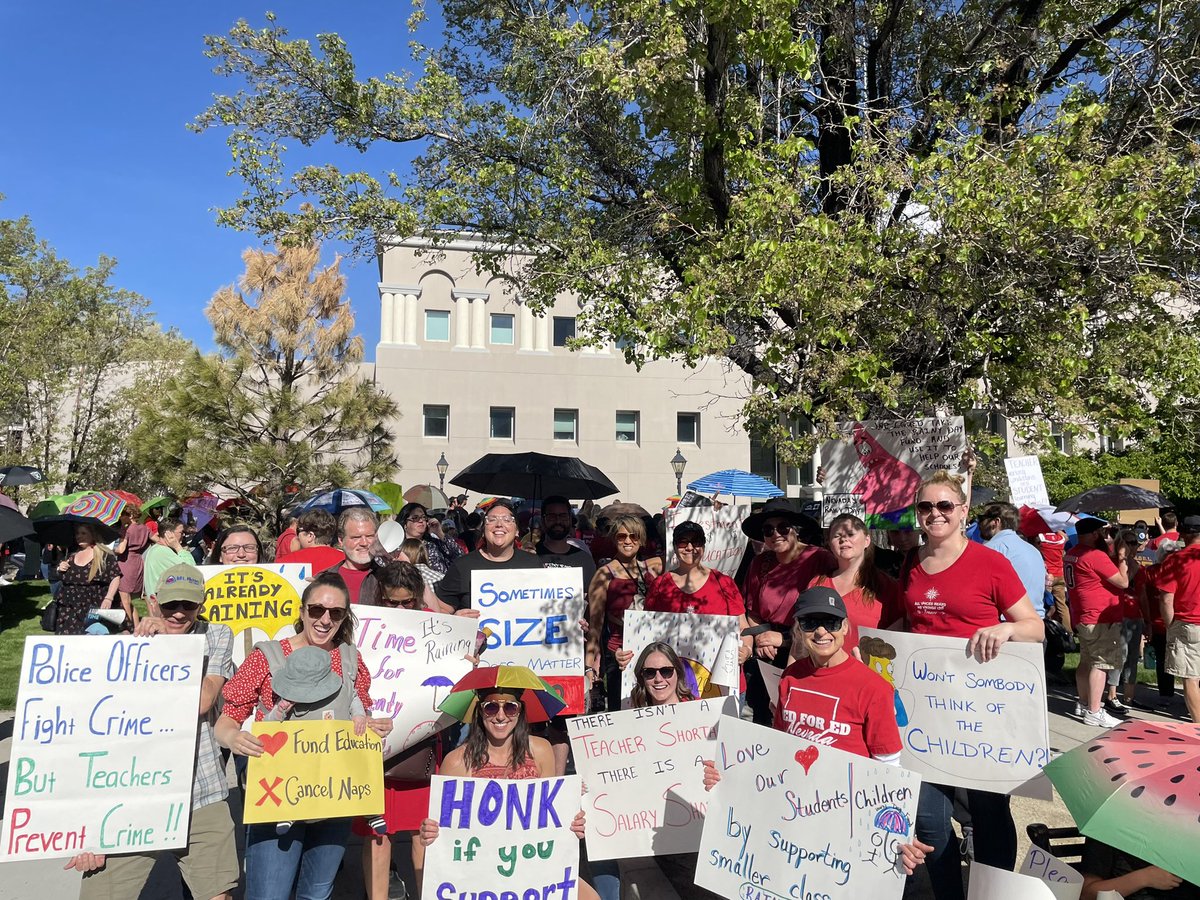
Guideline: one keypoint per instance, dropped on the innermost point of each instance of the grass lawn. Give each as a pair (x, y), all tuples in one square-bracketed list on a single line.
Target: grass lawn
[(1071, 663), (20, 616)]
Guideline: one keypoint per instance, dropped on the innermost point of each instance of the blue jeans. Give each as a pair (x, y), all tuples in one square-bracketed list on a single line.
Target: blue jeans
[(994, 835), (311, 850)]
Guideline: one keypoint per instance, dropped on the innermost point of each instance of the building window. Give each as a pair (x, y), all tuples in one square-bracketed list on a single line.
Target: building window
[(687, 428), (566, 424), (564, 330), (502, 328), (502, 419), (1062, 442), (437, 325), (437, 421), (627, 427)]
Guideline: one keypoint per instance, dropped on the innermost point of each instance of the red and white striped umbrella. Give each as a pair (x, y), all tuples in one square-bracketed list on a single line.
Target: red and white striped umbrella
[(105, 506)]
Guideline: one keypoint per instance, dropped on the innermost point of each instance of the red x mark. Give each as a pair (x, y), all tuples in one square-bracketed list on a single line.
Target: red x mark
[(269, 791)]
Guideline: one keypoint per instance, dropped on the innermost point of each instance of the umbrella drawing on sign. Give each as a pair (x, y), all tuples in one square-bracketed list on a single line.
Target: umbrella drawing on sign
[(1114, 496), (534, 475), (735, 482), (892, 820), (435, 682), (17, 475)]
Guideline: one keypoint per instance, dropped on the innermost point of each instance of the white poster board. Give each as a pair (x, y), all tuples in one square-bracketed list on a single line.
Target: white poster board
[(708, 646), (990, 883), (1064, 882), (884, 462), (834, 505), (103, 745), (962, 722), (534, 616), (645, 777), (724, 541), (1026, 486), (795, 819), (503, 838), (414, 658)]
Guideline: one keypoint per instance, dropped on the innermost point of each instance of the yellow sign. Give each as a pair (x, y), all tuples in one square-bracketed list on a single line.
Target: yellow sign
[(255, 596), (314, 770)]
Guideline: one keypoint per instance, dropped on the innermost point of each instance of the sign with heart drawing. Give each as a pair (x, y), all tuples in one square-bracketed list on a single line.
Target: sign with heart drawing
[(313, 770), (790, 818)]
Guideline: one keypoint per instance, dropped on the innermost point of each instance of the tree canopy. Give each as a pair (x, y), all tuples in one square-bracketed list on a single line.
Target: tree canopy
[(894, 207)]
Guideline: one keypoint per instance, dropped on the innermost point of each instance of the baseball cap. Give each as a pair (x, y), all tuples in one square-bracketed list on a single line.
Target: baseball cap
[(181, 582), (692, 531), (1089, 526), (1191, 524), (818, 600)]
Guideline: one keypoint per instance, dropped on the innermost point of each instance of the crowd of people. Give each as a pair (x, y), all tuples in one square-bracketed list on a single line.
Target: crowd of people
[(799, 604)]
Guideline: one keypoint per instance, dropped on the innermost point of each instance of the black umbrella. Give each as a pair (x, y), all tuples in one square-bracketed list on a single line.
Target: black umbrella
[(60, 530), (13, 525), (1114, 496), (535, 475), (13, 475)]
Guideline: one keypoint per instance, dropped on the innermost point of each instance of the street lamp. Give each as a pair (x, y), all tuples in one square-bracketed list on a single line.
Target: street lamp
[(442, 466), (678, 464)]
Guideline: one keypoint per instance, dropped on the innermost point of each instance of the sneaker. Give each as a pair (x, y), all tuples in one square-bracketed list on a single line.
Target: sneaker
[(1100, 719), (1115, 706), (1079, 710), (397, 890)]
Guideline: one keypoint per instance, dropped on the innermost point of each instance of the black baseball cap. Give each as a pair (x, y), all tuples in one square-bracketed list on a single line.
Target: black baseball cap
[(1088, 526), (817, 601), (1191, 524)]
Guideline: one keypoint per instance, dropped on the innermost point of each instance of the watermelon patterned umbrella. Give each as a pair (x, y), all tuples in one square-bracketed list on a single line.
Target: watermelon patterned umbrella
[(104, 506), (542, 701), (1135, 785)]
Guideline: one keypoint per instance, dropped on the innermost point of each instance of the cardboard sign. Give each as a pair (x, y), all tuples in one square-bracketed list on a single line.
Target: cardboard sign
[(1026, 486), (534, 617), (503, 838), (260, 602), (708, 646), (990, 883), (645, 777), (414, 658), (834, 505), (313, 770), (103, 745), (962, 722), (724, 545), (790, 818), (1131, 516), (1064, 882), (884, 462)]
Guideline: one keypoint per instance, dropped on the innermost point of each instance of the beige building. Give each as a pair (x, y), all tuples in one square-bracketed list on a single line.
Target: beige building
[(474, 371)]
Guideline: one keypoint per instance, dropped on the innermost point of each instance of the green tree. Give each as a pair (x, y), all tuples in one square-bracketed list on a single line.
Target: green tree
[(282, 405), (872, 208)]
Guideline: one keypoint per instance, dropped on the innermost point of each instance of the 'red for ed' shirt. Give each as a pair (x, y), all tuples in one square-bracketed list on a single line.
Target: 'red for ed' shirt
[(971, 594)]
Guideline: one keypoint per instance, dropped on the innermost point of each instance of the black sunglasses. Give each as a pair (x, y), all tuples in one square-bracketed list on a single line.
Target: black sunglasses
[(945, 507), (336, 613), (172, 606), (664, 672), (772, 530), (829, 623)]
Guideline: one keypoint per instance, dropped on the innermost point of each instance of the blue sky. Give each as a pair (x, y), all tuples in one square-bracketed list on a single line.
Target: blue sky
[(97, 97)]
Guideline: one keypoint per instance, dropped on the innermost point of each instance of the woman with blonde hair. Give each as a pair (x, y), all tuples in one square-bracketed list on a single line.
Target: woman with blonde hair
[(90, 577)]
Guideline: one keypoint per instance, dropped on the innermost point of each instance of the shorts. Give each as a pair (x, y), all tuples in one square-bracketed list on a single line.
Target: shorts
[(1183, 649), (1101, 646), (209, 863)]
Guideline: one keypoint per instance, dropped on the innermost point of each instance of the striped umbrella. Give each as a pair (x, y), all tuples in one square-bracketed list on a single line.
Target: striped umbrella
[(104, 506), (341, 498), (735, 482)]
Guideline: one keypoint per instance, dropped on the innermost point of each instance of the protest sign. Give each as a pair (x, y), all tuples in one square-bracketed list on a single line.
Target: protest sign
[(771, 677), (1133, 516), (259, 602), (790, 818), (103, 745), (1064, 882), (313, 770), (414, 658), (645, 776), (691, 498), (504, 839), (990, 883), (708, 646), (962, 722), (724, 544), (884, 462), (534, 616), (834, 505), (1026, 486)]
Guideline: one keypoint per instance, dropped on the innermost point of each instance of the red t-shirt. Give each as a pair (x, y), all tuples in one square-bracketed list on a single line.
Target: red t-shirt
[(283, 546), (354, 580), (1086, 571), (879, 613), (1179, 574), (718, 596), (1165, 536), (772, 587), (972, 594), (1147, 577), (845, 706), (152, 525), (1052, 545), (318, 558)]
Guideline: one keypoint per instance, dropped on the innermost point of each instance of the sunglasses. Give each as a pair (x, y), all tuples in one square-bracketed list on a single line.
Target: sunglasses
[(417, 519), (772, 530), (664, 672), (829, 623), (512, 708), (408, 602), (689, 542), (173, 606), (622, 537), (945, 507), (316, 612)]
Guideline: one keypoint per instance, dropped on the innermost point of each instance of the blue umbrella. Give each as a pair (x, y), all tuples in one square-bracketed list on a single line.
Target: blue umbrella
[(735, 482), (339, 499)]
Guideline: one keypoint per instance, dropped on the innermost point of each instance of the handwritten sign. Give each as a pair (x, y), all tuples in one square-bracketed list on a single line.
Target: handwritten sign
[(965, 723), (1064, 882), (260, 602), (834, 505), (725, 543), (104, 744), (884, 462), (990, 883), (708, 646), (534, 617), (790, 818), (414, 658), (1026, 486), (645, 777), (503, 838), (313, 770)]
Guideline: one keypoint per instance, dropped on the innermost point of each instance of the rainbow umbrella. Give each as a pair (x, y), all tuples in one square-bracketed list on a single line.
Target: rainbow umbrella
[(542, 701), (104, 506)]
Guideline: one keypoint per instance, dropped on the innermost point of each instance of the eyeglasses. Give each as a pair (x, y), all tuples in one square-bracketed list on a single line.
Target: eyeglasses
[(512, 708), (945, 507), (689, 542), (239, 549), (772, 530), (417, 519), (399, 601), (624, 537), (664, 672), (174, 606), (829, 623), (499, 520), (316, 612)]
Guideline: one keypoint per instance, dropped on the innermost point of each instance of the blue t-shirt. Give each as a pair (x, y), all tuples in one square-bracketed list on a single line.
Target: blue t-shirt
[(1028, 562)]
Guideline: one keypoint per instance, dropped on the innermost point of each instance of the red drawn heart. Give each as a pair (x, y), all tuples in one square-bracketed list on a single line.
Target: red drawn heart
[(273, 743), (807, 757)]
